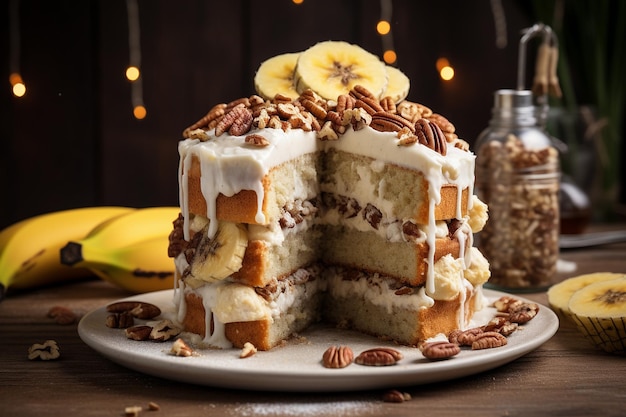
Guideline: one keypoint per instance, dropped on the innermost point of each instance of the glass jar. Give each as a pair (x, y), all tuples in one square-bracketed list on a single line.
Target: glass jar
[(517, 175)]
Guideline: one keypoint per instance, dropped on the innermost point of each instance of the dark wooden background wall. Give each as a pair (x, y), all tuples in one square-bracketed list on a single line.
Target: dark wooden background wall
[(72, 140)]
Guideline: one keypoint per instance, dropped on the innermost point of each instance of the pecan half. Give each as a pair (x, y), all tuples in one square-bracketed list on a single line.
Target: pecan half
[(440, 350), (237, 121), (465, 337), (388, 122), (488, 340), (337, 357), (62, 315), (381, 356), (369, 104), (314, 108), (429, 134), (388, 104), (345, 102), (141, 332), (395, 396), (360, 92), (120, 320), (138, 309)]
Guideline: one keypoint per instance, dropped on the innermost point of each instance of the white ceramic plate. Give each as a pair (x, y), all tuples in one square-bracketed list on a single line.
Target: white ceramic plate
[(296, 366)]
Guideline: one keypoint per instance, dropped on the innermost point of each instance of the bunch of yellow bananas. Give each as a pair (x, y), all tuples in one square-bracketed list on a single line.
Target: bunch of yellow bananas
[(122, 245)]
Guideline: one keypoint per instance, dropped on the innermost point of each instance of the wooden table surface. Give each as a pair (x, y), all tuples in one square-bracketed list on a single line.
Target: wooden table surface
[(566, 376)]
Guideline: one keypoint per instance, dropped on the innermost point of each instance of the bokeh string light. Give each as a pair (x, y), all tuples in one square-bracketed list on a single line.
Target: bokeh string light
[(446, 71), (383, 27), (18, 87), (133, 72)]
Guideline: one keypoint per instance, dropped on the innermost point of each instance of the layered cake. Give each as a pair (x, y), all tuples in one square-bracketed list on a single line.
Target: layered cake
[(326, 196)]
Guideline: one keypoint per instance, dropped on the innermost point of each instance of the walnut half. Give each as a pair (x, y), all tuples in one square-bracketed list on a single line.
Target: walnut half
[(46, 351)]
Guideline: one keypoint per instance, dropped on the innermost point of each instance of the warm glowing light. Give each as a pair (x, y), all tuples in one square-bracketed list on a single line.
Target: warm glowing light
[(15, 78), (442, 62), (139, 112), (446, 73), (132, 73), (297, 1), (19, 89), (383, 27), (390, 56)]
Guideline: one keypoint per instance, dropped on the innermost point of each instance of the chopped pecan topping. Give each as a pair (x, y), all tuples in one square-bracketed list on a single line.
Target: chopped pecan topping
[(412, 111), (295, 213), (443, 123), (348, 207), (216, 112), (404, 291), (180, 348), (164, 330), (248, 350), (523, 312), (256, 140), (501, 325), (329, 118), (327, 132), (410, 230), (453, 226), (176, 238), (516, 310), (372, 215)]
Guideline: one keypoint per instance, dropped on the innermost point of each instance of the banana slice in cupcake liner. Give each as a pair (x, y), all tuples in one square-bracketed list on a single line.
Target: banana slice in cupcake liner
[(596, 304)]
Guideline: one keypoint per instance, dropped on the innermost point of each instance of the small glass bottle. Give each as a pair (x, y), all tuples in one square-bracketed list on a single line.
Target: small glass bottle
[(517, 175)]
